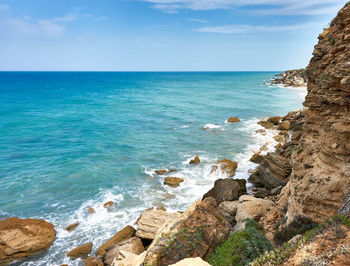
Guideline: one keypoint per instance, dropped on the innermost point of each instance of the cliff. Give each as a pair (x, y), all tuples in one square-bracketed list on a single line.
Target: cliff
[(321, 168)]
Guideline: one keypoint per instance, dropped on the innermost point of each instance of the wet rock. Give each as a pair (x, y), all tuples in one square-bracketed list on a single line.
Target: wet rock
[(173, 181), (261, 131), (71, 227), (227, 189), (124, 234), (233, 119), (228, 210), (160, 172), (195, 160), (91, 210), (257, 158), (108, 204), (265, 124), (172, 170), (284, 125), (20, 238), (151, 220), (80, 251), (92, 261), (226, 166), (274, 120)]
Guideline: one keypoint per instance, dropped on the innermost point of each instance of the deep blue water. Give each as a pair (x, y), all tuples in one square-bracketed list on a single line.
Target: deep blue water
[(73, 140)]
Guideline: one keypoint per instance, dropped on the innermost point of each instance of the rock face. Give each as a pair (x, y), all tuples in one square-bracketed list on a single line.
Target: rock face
[(321, 167), (291, 78), (21, 238), (173, 181), (124, 234), (151, 220), (80, 251), (273, 171), (227, 189), (195, 233), (225, 166)]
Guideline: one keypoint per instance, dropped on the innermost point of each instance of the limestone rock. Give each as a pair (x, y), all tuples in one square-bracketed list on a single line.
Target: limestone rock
[(279, 138), (92, 261), (191, 262), (252, 208), (151, 220), (285, 125), (173, 181), (266, 124), (226, 166), (291, 78), (228, 210), (195, 160), (131, 260), (80, 251), (256, 158), (227, 189), (274, 120), (20, 238), (124, 234), (108, 204), (71, 227), (160, 172), (233, 119)]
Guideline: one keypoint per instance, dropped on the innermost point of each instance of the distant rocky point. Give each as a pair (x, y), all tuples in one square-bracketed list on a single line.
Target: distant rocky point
[(291, 78)]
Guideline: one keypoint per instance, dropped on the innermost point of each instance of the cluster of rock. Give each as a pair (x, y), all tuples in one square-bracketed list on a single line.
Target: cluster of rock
[(291, 78)]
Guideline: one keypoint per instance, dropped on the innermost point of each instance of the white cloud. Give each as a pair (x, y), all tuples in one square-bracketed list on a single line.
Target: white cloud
[(197, 20), (248, 29), (285, 7)]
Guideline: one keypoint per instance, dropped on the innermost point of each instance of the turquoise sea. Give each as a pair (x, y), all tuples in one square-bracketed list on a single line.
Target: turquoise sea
[(74, 140)]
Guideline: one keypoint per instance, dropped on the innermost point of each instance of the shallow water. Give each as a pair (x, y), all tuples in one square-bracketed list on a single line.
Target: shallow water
[(74, 140)]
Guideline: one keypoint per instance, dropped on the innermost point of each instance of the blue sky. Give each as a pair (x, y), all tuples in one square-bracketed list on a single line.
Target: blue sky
[(165, 35)]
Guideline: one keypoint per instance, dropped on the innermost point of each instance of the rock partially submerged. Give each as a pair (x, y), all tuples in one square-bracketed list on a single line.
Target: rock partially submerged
[(256, 158), (20, 238), (71, 227), (226, 166), (173, 181), (227, 189), (266, 124), (195, 160), (80, 251), (233, 119)]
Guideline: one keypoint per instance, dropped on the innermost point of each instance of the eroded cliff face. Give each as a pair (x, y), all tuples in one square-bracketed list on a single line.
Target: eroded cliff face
[(321, 168)]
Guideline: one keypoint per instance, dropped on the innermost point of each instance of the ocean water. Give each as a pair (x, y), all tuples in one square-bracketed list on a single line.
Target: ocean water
[(74, 140)]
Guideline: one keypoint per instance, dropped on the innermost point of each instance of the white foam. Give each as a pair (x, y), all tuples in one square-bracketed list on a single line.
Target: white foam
[(212, 126)]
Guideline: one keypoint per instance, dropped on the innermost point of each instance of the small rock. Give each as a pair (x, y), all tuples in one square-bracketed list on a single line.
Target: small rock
[(91, 210), (195, 160), (345, 81), (257, 158), (71, 227), (261, 131), (233, 119), (274, 120), (285, 125), (80, 251), (334, 146), (172, 171), (278, 146), (227, 189), (108, 204), (160, 172), (173, 181)]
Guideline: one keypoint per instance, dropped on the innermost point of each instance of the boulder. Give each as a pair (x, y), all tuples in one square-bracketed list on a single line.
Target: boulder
[(124, 234), (253, 208), (228, 210), (226, 166), (261, 131), (80, 251), (151, 220), (133, 245), (272, 172), (173, 181), (92, 261), (71, 227), (274, 120), (91, 210), (284, 125), (172, 171), (195, 160), (257, 158), (108, 204), (280, 138), (131, 259), (227, 189), (20, 238), (191, 262), (261, 192), (195, 233), (265, 124), (160, 172), (233, 119)]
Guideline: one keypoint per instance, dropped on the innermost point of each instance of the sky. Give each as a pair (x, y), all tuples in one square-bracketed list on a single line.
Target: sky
[(161, 35)]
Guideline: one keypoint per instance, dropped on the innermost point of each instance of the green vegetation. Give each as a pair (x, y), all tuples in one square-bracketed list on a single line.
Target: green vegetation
[(331, 39), (242, 247)]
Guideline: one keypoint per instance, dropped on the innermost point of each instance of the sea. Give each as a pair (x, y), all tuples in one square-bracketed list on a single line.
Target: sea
[(70, 141)]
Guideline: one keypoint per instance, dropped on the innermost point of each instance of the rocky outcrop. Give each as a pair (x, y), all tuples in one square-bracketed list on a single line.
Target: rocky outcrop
[(227, 189), (225, 166), (80, 251), (321, 165), (151, 220), (195, 233), (291, 78), (173, 181), (195, 160), (233, 119), (20, 238)]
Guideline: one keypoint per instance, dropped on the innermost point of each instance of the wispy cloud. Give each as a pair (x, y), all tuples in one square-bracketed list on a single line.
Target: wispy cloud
[(197, 20), (248, 29), (285, 7)]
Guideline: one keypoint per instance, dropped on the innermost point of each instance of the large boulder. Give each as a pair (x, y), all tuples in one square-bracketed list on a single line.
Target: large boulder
[(252, 208), (274, 120), (266, 124), (20, 238), (195, 233), (226, 166), (151, 220), (195, 160), (81, 251), (228, 210), (124, 234), (227, 189), (173, 181), (273, 171)]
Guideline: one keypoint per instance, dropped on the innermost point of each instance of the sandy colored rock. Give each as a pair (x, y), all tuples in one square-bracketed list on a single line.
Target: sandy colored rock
[(252, 208), (265, 124), (274, 120), (124, 234), (191, 262), (226, 166), (131, 260), (256, 158), (172, 170), (227, 189), (280, 138), (20, 238), (291, 78), (151, 220), (173, 181), (233, 119), (160, 172), (91, 210), (92, 261), (195, 160), (228, 210), (71, 227), (108, 204), (80, 251), (284, 125), (264, 147), (261, 131)]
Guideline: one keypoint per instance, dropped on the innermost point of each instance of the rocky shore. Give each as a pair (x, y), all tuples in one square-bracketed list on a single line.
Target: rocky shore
[(299, 209), (291, 78)]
